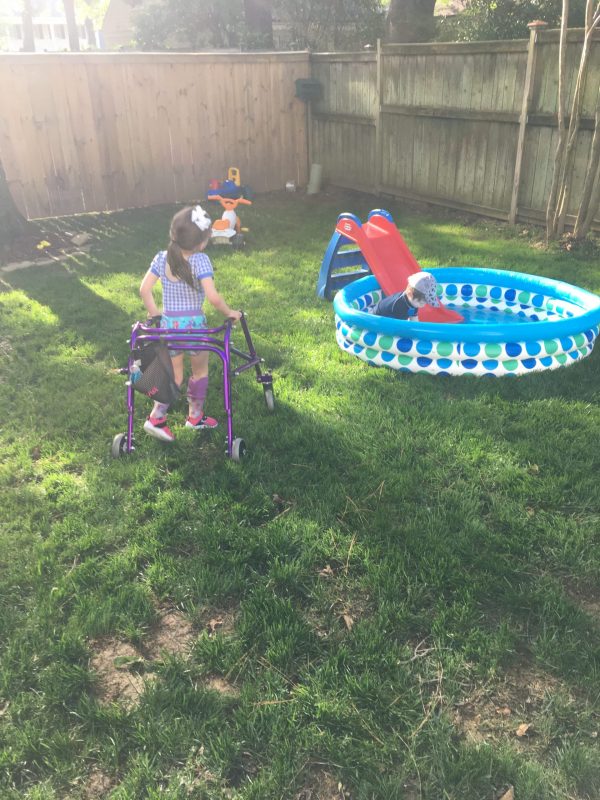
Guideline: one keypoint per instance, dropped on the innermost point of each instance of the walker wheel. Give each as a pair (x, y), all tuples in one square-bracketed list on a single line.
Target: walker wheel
[(119, 445), (238, 449), (238, 240), (270, 398)]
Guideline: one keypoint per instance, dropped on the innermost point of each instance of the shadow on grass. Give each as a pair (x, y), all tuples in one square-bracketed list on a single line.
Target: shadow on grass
[(80, 310), (344, 465)]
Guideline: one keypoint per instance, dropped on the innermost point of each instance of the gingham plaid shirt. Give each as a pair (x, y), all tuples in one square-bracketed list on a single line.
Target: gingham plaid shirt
[(178, 297)]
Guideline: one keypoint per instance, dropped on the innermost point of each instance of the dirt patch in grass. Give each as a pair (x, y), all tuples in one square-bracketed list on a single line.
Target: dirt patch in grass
[(120, 667), (323, 786), (506, 710), (115, 664), (172, 634), (317, 623), (98, 785), (217, 620), (591, 606), (222, 686), (588, 601), (348, 606)]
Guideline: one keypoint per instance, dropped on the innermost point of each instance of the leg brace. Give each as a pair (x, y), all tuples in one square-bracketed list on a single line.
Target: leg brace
[(196, 395)]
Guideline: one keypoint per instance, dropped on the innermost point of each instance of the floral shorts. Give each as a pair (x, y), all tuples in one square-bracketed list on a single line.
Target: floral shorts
[(183, 323)]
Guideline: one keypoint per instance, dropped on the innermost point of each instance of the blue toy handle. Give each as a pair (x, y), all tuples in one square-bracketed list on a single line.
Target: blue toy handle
[(381, 212), (353, 217)]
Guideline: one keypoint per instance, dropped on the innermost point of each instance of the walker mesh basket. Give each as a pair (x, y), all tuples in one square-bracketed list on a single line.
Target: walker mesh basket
[(155, 378)]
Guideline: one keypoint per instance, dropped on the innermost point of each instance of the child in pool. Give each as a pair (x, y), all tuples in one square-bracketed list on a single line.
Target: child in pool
[(420, 291), (186, 275)]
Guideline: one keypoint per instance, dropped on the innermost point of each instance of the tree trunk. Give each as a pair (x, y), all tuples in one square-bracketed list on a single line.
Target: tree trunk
[(409, 21), (259, 24), (593, 207), (566, 177), (28, 40), (558, 201), (12, 222), (587, 208), (71, 25)]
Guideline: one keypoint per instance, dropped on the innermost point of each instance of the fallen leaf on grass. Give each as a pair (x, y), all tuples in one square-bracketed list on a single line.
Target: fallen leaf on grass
[(509, 794), (326, 572), (214, 623), (349, 622), (524, 729), (504, 711)]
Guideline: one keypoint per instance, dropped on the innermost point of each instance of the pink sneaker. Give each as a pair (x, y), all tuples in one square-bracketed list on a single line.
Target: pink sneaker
[(157, 427), (201, 422)]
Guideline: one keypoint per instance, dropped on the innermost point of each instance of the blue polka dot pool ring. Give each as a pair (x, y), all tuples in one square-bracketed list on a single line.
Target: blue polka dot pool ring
[(514, 324)]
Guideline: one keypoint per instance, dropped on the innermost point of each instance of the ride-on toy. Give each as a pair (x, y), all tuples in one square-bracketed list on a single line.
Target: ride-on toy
[(228, 229), (230, 187), (216, 340)]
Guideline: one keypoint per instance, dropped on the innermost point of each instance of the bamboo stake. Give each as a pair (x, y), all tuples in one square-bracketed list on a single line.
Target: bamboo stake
[(560, 147)]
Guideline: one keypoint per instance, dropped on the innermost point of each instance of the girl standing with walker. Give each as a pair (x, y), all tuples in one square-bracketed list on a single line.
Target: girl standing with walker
[(186, 275)]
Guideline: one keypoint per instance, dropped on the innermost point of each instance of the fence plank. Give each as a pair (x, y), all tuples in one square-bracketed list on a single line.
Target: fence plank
[(92, 132), (99, 131), (449, 123)]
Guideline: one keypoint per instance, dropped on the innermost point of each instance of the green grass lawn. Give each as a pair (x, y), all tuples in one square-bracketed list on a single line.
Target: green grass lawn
[(400, 578)]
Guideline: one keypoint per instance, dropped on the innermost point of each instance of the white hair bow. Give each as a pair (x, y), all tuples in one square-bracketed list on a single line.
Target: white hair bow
[(200, 218)]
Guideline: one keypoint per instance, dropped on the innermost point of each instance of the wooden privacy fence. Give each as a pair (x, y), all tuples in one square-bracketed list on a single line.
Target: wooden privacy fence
[(92, 132), (471, 126)]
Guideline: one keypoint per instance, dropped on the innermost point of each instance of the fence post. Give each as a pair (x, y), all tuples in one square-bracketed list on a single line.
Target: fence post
[(534, 28), (378, 120), (309, 136)]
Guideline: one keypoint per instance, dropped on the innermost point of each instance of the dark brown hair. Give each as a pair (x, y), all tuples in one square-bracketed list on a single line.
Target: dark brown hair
[(184, 235)]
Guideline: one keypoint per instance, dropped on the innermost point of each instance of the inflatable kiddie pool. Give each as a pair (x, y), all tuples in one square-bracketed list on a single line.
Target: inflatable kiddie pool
[(491, 322), (513, 324)]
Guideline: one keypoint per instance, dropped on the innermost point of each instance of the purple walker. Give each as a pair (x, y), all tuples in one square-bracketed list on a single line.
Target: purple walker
[(215, 340)]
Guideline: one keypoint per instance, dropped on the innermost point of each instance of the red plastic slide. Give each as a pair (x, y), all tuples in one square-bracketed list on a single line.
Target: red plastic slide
[(390, 260)]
